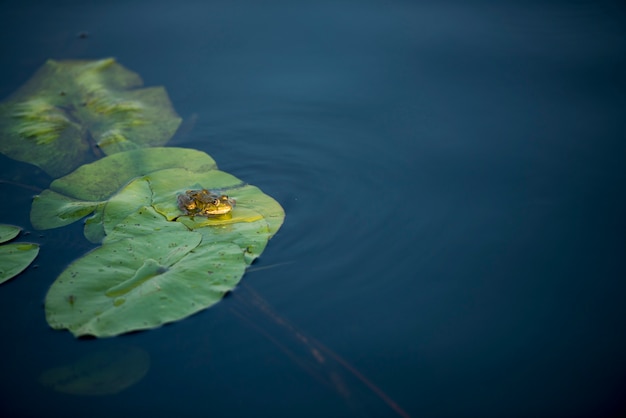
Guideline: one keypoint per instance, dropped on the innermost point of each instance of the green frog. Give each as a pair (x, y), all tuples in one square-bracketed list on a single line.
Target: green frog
[(204, 203)]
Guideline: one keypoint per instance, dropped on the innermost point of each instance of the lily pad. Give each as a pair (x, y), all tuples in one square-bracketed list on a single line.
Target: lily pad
[(79, 193), (8, 232), (143, 281), (156, 265), (73, 112), (104, 372), (15, 257)]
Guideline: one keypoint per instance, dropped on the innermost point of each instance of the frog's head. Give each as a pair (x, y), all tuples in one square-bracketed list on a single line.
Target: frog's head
[(218, 206)]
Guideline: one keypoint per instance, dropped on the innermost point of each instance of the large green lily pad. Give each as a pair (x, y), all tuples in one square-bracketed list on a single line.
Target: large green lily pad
[(156, 265), (14, 258), (74, 112), (138, 280), (104, 372)]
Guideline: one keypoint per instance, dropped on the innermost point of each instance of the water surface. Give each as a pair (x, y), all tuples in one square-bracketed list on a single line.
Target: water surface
[(453, 180)]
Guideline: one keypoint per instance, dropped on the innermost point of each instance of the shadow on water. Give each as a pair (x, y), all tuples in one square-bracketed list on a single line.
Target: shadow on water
[(320, 362)]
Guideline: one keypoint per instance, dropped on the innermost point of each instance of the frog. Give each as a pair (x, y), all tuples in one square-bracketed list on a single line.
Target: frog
[(205, 203)]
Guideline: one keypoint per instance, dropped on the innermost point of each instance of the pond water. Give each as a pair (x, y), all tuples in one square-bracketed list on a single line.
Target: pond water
[(453, 179)]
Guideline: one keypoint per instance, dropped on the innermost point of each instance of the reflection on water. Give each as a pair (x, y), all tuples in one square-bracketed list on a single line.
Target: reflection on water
[(449, 174), (99, 373)]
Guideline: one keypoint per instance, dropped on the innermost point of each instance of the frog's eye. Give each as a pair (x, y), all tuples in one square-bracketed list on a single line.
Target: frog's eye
[(216, 202)]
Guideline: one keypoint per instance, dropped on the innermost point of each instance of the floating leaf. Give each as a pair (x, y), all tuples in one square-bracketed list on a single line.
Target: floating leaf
[(14, 258), (104, 372), (8, 232), (70, 112), (79, 193), (143, 281), (156, 265)]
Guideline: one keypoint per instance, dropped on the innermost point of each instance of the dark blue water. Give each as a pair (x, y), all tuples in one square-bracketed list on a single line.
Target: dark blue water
[(453, 177)]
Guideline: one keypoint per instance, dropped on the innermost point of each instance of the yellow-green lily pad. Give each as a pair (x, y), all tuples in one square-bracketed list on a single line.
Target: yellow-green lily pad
[(73, 112)]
